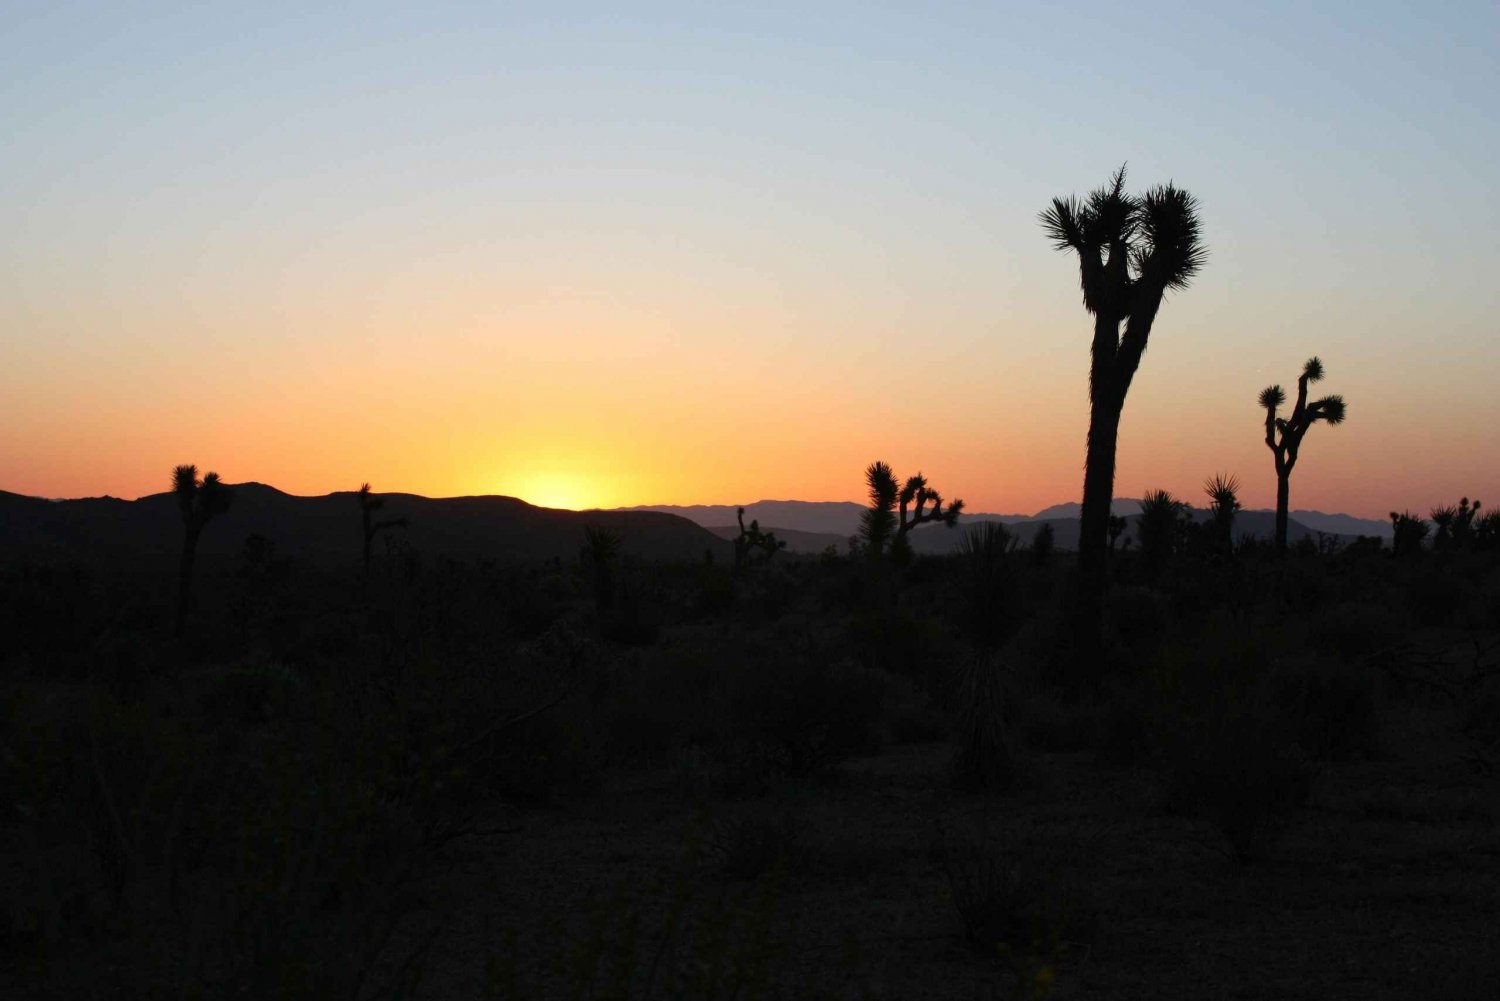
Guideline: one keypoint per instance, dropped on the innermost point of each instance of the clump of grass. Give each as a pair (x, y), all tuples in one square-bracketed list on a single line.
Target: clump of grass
[(1330, 706), (982, 759), (1016, 899)]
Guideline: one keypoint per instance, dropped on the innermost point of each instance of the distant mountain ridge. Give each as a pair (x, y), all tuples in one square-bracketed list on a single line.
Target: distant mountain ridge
[(326, 529), (818, 524)]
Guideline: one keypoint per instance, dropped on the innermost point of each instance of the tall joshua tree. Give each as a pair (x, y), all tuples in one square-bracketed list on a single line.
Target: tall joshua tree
[(1284, 434), (1132, 250), (886, 523), (199, 501), (368, 505)]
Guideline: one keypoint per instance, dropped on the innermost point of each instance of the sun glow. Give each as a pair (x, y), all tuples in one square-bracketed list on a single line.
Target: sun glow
[(558, 490)]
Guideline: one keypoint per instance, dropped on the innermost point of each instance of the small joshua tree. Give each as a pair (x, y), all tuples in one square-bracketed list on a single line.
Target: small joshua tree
[(1117, 525), (1284, 434), (752, 540), (884, 524), (1408, 532), (1223, 503), (199, 501), (368, 505), (600, 557)]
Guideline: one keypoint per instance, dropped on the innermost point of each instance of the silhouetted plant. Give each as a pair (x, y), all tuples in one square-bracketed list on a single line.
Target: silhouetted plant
[(199, 501), (1284, 434), (1131, 251), (752, 540), (600, 557), (985, 552), (1117, 526), (368, 505), (1223, 504), (1487, 531), (883, 527), (1043, 545), (982, 761), (1408, 532), (1159, 528), (1455, 525)]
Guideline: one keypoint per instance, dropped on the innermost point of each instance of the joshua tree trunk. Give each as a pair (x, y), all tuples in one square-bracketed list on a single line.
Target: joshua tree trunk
[(1093, 526), (185, 579), (1283, 499)]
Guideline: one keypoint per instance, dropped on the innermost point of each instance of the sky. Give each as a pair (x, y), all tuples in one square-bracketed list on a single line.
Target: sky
[(702, 253)]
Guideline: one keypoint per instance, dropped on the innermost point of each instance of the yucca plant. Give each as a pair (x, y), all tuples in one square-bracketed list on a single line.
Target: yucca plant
[(199, 501), (985, 554), (368, 505), (1223, 504), (1455, 524), (1159, 527), (1284, 434), (1132, 250)]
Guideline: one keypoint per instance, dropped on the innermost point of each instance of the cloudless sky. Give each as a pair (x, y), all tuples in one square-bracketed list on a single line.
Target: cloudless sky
[(698, 253)]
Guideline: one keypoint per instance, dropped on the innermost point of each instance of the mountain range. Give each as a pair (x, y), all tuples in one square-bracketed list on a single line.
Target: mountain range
[(327, 529), (813, 526)]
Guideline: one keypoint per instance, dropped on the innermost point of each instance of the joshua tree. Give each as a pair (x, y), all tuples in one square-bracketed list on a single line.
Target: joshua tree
[(368, 505), (199, 502), (1131, 251), (883, 524), (1223, 503), (1284, 434), (752, 540)]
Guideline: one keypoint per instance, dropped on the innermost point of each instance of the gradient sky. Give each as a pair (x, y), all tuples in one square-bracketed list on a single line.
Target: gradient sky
[(702, 254)]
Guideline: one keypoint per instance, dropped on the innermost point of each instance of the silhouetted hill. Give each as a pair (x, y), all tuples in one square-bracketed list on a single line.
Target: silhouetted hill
[(327, 528)]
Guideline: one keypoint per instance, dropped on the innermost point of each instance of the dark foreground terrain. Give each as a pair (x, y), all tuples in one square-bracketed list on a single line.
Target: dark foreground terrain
[(805, 777)]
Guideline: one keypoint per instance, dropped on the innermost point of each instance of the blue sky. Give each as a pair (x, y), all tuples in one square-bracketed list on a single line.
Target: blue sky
[(677, 190)]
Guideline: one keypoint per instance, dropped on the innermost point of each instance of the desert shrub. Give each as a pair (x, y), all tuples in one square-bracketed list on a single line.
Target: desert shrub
[(1016, 898), (1481, 715), (801, 712), (899, 642), (1048, 722), (1235, 769), (1132, 717), (910, 716), (667, 935), (1137, 620), (758, 840), (769, 593), (1329, 706), (1354, 630)]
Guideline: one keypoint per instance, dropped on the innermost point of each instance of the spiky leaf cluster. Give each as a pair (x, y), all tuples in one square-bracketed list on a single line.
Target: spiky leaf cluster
[(199, 500)]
